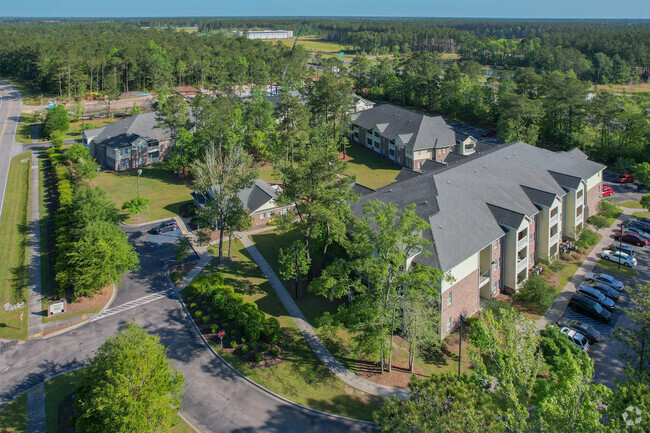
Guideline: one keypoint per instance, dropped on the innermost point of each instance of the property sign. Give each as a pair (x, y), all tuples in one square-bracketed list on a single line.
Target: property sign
[(56, 308)]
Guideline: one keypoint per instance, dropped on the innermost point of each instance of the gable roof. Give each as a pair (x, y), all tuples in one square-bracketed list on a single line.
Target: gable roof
[(416, 130), (125, 132), (473, 203), (257, 195)]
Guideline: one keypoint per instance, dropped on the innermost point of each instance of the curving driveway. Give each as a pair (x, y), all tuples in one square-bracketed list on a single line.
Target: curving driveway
[(217, 397)]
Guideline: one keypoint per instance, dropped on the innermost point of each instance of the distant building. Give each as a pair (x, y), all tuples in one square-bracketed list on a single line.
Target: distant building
[(130, 143), (267, 34)]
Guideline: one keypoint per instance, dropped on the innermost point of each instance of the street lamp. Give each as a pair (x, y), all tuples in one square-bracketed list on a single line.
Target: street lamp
[(139, 173), (460, 341), (620, 242)]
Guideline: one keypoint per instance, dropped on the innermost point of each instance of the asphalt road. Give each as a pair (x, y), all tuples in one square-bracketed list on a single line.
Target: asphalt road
[(10, 103), (217, 398)]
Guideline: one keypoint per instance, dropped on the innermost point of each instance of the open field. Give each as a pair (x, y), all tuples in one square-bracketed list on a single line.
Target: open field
[(157, 183), (301, 376), (623, 88), (315, 44), (29, 120), (14, 228), (13, 417)]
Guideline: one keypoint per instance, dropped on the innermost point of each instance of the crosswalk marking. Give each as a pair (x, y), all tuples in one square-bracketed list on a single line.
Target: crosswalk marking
[(135, 303)]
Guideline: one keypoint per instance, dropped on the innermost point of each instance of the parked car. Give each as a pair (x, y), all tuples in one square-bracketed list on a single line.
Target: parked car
[(606, 279), (619, 257), (597, 296), (165, 227), (592, 334), (607, 191), (587, 306), (624, 248), (625, 178), (606, 290), (632, 238), (637, 231), (640, 225), (641, 219), (577, 338)]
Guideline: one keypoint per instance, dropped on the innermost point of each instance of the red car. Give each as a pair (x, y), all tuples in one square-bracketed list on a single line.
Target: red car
[(632, 238), (607, 190), (490, 133), (625, 178)]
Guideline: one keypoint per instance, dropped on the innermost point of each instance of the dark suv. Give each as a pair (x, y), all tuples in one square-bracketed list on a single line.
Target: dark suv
[(589, 307), (166, 227), (597, 296)]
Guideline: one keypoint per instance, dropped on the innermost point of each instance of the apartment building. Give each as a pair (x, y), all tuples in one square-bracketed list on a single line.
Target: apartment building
[(407, 138), (493, 215)]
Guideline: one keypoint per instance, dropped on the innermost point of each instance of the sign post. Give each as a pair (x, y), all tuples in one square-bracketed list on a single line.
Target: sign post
[(21, 319), (220, 335)]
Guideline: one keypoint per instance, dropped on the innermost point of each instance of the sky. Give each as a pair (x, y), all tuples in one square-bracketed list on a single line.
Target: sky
[(638, 9)]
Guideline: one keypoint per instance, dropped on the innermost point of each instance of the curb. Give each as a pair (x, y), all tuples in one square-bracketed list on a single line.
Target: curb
[(257, 385)]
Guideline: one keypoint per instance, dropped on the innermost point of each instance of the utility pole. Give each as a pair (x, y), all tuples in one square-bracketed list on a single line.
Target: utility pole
[(139, 173), (620, 242), (460, 342)]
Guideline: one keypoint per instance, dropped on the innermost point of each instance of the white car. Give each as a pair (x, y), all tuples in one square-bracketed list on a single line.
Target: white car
[(577, 338), (619, 257), (606, 279)]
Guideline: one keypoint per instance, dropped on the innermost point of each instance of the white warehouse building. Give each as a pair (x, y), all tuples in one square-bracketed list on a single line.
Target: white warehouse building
[(269, 34)]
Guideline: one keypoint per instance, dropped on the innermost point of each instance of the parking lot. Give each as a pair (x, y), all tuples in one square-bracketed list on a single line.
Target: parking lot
[(607, 363)]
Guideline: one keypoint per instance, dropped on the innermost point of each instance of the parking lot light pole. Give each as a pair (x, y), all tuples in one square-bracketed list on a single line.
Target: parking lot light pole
[(139, 173), (620, 243)]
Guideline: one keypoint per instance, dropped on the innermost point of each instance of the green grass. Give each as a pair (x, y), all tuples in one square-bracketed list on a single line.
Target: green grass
[(566, 273), (315, 45), (59, 388), (75, 127), (67, 315), (369, 169), (301, 376), (631, 204), (268, 174), (613, 267), (13, 417), (158, 184), (14, 229), (26, 128), (641, 214)]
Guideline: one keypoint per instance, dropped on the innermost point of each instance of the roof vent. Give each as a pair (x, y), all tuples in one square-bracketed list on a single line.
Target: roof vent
[(447, 182), (485, 166), (440, 227), (475, 171), (389, 190)]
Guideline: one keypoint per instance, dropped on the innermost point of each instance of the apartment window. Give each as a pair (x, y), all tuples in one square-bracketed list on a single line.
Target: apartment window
[(554, 230), (579, 194), (369, 140), (420, 164), (449, 296), (449, 324), (392, 152), (522, 234), (500, 261), (399, 159), (376, 134), (579, 211), (376, 145), (392, 141), (554, 211)]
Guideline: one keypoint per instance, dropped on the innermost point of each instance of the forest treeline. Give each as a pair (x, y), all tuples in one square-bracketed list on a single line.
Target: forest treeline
[(71, 59)]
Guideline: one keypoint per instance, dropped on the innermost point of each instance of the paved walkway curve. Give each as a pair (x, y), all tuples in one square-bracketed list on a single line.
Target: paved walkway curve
[(312, 338)]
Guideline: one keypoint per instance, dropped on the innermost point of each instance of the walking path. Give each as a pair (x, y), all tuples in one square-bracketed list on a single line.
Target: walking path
[(560, 304), (35, 319), (201, 251), (312, 338), (36, 409)]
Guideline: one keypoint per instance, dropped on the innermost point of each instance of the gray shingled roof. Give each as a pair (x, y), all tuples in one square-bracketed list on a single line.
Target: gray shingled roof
[(275, 99), (469, 204), (257, 195), (416, 130), (125, 132)]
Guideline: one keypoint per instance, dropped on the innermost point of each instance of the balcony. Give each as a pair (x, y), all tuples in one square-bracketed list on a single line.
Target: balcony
[(483, 278), (522, 264), (521, 243)]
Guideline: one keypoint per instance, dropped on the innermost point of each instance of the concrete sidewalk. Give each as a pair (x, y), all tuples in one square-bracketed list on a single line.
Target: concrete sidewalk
[(36, 409), (201, 251), (35, 318), (560, 304), (312, 338)]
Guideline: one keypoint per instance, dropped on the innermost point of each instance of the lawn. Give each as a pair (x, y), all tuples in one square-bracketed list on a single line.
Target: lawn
[(157, 183), (14, 231), (13, 417), (641, 214), (620, 88), (300, 377), (267, 173), (26, 128), (613, 267), (369, 169), (75, 127), (59, 388), (631, 204), (314, 44)]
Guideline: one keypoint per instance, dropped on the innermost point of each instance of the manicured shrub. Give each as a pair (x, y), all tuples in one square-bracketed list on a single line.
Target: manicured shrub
[(254, 345), (218, 302), (238, 299), (215, 317), (275, 351), (214, 328), (598, 221), (190, 298), (271, 330), (252, 330), (198, 314), (193, 305), (587, 238), (258, 357), (245, 349), (608, 208), (206, 319), (537, 292), (230, 310), (241, 320), (210, 310), (265, 347), (233, 343)]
